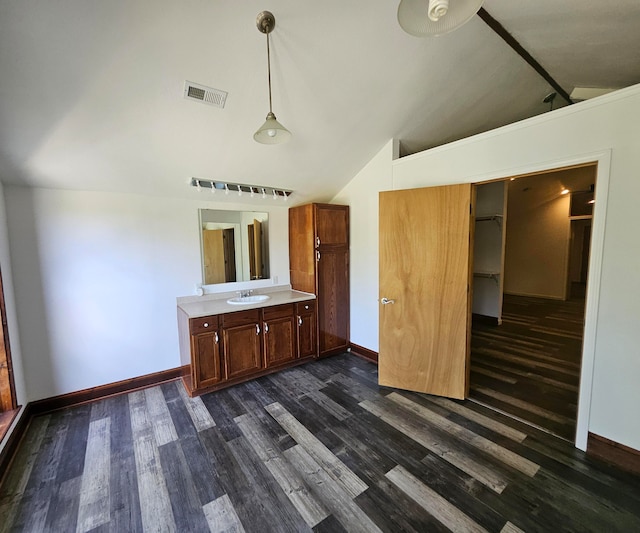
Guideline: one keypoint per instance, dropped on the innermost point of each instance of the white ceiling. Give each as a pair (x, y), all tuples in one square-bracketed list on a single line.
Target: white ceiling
[(91, 92)]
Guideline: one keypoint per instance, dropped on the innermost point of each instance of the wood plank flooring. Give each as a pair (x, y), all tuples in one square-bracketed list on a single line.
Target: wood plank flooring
[(529, 367), (319, 447)]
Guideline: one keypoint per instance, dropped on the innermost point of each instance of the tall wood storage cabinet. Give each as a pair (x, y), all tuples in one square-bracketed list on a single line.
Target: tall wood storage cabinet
[(319, 264)]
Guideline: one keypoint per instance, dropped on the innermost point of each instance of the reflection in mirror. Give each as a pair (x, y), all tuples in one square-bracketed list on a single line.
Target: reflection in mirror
[(234, 245)]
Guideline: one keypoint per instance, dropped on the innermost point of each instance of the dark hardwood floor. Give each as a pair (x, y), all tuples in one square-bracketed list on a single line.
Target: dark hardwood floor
[(529, 367), (319, 447)]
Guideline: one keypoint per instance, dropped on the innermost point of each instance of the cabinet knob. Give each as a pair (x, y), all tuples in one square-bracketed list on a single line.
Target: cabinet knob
[(299, 320), (306, 307), (206, 324)]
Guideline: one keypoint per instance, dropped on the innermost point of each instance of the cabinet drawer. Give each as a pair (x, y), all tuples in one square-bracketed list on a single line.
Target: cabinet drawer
[(203, 324), (241, 318), (277, 311), (306, 307)]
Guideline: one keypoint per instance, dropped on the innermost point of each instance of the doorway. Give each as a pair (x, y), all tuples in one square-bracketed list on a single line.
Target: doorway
[(527, 330)]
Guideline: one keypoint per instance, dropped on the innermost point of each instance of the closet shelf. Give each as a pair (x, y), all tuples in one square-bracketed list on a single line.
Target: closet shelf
[(484, 218), (489, 275)]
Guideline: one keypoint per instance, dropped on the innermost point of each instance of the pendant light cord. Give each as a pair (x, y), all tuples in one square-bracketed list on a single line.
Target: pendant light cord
[(269, 69)]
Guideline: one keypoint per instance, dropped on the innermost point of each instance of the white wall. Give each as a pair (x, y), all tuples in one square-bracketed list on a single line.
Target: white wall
[(361, 195), (96, 277), (571, 134), (10, 307)]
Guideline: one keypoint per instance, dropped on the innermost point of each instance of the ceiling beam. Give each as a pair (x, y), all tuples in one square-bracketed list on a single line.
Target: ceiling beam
[(519, 49)]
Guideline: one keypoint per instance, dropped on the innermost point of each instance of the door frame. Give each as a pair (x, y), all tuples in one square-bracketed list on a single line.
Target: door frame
[(602, 159), (5, 348), (570, 247)]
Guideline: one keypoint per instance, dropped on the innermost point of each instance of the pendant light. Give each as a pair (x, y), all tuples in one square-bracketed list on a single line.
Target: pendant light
[(425, 18), (271, 132)]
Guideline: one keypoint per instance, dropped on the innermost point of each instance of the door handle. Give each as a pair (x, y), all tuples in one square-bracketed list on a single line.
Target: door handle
[(386, 301), (318, 256), (266, 327), (257, 329), (317, 241), (299, 321), (216, 337)]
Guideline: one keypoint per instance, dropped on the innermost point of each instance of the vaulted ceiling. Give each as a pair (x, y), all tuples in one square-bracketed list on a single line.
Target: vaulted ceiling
[(91, 92)]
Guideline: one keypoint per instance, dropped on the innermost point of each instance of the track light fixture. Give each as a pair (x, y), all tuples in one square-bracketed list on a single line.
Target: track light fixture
[(253, 190)]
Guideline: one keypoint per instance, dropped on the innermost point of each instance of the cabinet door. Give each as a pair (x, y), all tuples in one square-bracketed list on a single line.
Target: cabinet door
[(333, 300), (242, 347), (302, 256), (206, 368), (279, 341), (332, 225), (307, 325)]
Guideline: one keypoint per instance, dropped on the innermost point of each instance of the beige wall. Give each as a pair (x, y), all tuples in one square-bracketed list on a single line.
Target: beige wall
[(538, 233)]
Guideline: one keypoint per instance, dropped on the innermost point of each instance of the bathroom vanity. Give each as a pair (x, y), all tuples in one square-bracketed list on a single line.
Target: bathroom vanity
[(229, 340)]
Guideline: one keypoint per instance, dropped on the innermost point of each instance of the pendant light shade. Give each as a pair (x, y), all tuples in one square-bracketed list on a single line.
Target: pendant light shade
[(424, 18), (271, 132)]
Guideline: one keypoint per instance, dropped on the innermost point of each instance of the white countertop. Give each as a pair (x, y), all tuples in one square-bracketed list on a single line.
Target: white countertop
[(215, 305)]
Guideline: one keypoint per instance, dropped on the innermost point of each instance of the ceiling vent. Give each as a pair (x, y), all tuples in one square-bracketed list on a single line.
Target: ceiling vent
[(204, 94)]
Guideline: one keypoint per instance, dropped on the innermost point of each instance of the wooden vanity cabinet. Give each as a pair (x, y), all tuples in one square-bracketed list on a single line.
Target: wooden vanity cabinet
[(222, 350), (319, 264), (307, 322), (242, 343), (279, 331)]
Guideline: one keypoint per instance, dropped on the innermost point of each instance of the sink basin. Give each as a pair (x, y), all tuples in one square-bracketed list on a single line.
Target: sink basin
[(244, 300)]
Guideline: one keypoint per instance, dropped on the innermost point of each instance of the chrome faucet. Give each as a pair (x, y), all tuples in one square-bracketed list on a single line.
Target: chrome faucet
[(245, 294)]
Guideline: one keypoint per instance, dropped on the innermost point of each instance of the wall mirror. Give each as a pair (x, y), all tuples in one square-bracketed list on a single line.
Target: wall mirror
[(234, 245)]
